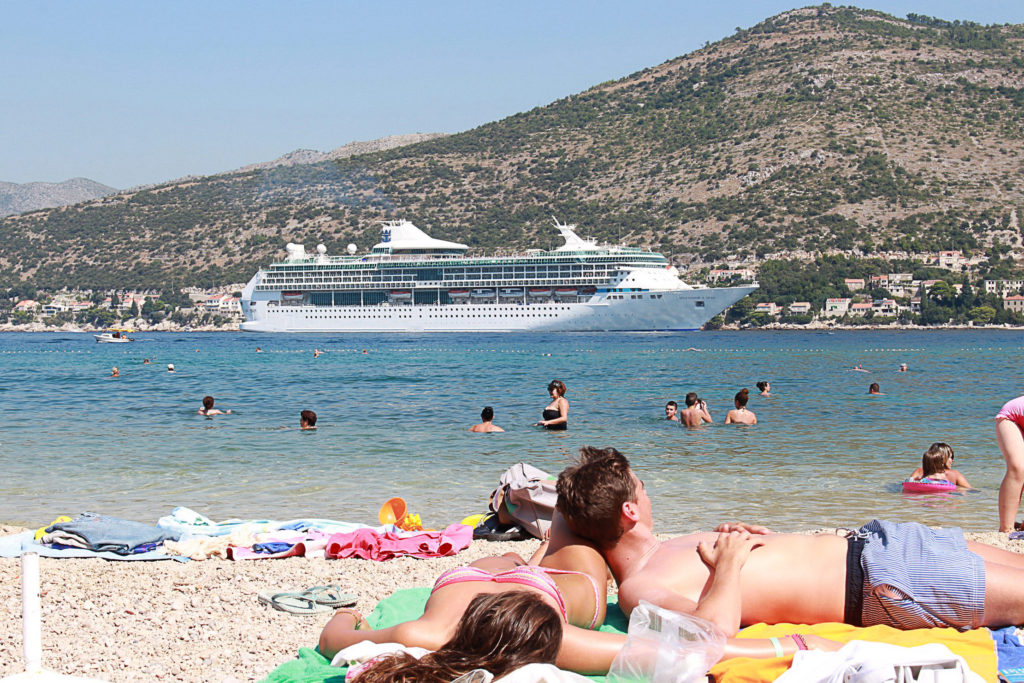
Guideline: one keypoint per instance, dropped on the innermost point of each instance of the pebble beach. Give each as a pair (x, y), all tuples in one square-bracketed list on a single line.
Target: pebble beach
[(202, 620)]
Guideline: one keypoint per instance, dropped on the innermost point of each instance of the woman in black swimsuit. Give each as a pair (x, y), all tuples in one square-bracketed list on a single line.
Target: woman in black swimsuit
[(556, 415)]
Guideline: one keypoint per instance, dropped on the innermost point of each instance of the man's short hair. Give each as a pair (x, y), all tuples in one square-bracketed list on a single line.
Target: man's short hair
[(691, 399), (309, 417), (487, 414), (672, 403), (592, 491)]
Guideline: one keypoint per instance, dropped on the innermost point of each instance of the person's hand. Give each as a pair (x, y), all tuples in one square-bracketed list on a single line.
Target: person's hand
[(730, 550), (740, 526), (823, 644)]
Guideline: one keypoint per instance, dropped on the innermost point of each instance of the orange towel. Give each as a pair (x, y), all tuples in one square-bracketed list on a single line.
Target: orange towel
[(976, 647)]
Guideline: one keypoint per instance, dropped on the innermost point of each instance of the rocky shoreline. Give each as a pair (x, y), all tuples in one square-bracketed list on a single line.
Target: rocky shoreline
[(201, 620)]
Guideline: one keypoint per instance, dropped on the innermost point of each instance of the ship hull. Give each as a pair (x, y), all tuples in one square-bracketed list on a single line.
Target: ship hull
[(672, 310)]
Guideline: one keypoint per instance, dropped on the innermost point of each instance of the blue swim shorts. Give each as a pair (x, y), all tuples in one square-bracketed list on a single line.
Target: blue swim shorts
[(917, 577)]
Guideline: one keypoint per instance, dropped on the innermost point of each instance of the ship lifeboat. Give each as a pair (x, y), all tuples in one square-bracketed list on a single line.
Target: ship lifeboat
[(510, 292), (483, 294), (565, 292), (400, 295), (458, 294), (540, 292)]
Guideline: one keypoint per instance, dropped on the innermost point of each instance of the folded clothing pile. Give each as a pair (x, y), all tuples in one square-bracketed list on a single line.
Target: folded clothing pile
[(100, 533)]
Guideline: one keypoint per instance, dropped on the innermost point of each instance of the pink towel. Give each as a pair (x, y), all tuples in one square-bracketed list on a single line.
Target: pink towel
[(370, 545), (307, 543)]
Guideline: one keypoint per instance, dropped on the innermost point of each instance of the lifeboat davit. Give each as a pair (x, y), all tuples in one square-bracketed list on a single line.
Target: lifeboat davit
[(483, 294)]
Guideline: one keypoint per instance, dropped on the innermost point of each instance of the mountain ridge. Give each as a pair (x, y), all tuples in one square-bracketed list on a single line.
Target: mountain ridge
[(20, 197), (820, 130)]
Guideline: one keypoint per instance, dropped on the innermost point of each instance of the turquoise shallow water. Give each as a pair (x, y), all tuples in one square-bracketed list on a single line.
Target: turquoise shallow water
[(392, 422)]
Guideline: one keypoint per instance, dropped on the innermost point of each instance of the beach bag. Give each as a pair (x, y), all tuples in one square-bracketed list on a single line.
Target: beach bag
[(526, 497)]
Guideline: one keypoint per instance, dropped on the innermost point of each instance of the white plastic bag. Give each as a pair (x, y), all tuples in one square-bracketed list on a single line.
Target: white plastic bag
[(666, 647)]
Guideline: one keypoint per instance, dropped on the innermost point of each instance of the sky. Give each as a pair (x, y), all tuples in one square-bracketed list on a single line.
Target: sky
[(128, 93)]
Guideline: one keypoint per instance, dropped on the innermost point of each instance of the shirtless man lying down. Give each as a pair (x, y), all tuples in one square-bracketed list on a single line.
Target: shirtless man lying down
[(904, 575)]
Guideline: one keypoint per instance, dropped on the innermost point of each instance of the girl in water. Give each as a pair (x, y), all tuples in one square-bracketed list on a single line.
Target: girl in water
[(765, 388), (556, 415), (741, 416), (936, 465)]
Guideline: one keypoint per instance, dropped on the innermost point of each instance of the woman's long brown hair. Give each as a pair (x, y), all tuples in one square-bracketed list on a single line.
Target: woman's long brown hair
[(499, 632)]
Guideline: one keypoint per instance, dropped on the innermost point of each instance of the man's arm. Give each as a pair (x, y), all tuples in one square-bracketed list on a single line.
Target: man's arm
[(721, 601)]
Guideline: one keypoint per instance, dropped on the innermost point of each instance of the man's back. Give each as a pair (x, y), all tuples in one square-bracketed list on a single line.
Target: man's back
[(791, 578)]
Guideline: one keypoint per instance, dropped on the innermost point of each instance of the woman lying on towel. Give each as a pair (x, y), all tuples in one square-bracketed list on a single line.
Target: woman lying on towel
[(461, 621)]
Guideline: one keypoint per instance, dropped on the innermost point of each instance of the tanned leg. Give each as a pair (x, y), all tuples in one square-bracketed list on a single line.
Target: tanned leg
[(1011, 443)]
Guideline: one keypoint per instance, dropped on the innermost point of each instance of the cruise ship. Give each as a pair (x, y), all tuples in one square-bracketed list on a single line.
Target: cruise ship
[(411, 282)]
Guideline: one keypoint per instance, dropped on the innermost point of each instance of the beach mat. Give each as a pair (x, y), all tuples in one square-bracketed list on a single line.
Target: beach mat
[(976, 647), (406, 604)]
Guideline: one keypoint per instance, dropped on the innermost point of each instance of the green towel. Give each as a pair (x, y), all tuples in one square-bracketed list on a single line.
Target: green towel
[(403, 605)]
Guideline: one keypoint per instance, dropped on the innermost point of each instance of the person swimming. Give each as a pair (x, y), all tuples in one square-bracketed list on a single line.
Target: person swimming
[(208, 410), (307, 419), (556, 415), (936, 465), (874, 390), (486, 425), (765, 388), (114, 372), (741, 415), (672, 411)]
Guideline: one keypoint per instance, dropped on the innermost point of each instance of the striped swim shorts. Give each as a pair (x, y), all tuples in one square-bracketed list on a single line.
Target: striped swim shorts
[(917, 577)]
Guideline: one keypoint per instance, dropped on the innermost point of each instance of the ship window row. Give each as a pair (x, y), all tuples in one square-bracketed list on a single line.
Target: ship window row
[(583, 258), (464, 312)]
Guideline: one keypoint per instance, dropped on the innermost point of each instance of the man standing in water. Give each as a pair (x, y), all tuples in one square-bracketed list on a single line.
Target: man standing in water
[(904, 575), (696, 412)]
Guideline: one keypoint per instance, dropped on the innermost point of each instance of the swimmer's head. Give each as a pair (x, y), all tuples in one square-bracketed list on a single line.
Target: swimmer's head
[(762, 385), (170, 367), (556, 387), (207, 402), (874, 388), (691, 399), (936, 459), (307, 419), (487, 414), (741, 398)]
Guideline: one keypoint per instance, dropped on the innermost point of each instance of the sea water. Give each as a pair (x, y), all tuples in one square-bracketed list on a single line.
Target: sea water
[(393, 412)]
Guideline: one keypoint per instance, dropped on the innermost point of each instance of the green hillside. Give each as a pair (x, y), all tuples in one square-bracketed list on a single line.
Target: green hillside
[(822, 129)]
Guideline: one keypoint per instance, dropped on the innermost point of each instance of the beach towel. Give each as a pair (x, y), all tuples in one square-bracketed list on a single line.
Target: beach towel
[(371, 545), (976, 647), (404, 605), (16, 545), (102, 533)]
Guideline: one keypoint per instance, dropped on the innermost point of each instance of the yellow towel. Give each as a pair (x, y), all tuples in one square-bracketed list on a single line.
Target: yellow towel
[(42, 530), (976, 647)]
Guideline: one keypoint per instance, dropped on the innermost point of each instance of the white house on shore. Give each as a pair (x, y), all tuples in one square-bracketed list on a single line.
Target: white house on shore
[(837, 308)]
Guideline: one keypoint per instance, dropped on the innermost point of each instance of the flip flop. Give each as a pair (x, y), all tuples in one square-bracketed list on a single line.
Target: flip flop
[(293, 603), (330, 595)]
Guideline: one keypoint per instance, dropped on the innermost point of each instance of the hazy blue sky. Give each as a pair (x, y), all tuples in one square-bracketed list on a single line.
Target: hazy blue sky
[(137, 92)]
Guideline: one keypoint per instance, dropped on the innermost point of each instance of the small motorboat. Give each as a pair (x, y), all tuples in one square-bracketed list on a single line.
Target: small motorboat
[(114, 335)]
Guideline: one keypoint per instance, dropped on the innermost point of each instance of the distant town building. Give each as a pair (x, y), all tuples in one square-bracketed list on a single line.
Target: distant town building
[(860, 309), (836, 308), (1014, 302), (854, 284), (880, 281), (1003, 286), (901, 277), (26, 305), (768, 307), (800, 308), (951, 260), (731, 273), (915, 304), (886, 307)]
